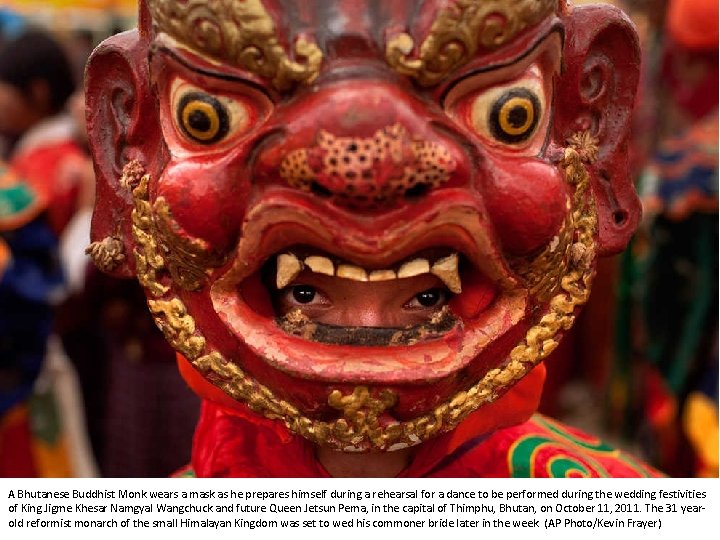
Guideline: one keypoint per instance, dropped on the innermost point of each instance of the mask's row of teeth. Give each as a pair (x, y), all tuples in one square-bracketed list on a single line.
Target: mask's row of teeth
[(446, 269)]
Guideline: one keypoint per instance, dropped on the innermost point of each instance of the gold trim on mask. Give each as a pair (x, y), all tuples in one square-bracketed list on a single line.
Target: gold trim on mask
[(177, 325), (148, 259), (186, 258), (459, 30), (542, 273), (358, 428), (159, 246), (240, 32), (360, 414), (107, 254)]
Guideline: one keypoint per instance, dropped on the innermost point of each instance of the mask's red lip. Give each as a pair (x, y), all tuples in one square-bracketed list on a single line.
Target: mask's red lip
[(283, 220), (286, 218)]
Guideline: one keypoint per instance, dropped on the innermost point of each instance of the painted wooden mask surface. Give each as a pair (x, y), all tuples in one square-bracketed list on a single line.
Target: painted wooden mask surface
[(240, 144)]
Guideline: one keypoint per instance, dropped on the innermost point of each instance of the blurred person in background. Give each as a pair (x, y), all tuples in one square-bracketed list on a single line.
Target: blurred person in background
[(31, 440), (135, 401), (134, 398), (11, 24), (42, 433), (666, 375), (104, 326), (36, 81)]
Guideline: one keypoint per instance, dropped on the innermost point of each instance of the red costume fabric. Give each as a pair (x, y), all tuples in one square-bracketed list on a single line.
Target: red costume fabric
[(45, 167), (502, 440), (32, 441)]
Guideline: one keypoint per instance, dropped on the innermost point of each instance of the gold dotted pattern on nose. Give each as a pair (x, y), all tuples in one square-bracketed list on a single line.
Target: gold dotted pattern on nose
[(371, 171)]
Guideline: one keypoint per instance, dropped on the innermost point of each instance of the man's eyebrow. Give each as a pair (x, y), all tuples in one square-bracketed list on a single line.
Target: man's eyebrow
[(207, 72), (539, 41)]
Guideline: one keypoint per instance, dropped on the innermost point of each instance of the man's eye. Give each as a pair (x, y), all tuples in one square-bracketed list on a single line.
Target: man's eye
[(203, 118), (428, 299), (514, 116), (303, 294)]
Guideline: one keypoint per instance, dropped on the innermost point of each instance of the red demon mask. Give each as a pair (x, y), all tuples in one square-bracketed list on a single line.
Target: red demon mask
[(252, 154)]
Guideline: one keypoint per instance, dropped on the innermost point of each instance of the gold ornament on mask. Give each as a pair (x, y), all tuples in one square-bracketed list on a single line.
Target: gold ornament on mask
[(240, 32), (457, 33), (107, 254), (542, 273), (359, 428), (186, 258)]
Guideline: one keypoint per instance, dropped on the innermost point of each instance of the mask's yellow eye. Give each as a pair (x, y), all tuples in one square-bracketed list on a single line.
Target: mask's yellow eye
[(510, 117), (211, 118), (514, 116), (203, 118)]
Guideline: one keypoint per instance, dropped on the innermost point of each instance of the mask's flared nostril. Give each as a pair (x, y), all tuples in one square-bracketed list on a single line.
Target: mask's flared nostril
[(369, 172)]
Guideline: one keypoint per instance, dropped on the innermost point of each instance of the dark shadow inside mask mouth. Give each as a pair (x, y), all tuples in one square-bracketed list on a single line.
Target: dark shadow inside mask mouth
[(298, 324)]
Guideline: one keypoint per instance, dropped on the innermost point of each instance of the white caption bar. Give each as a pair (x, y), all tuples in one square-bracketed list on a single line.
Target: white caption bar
[(178, 509)]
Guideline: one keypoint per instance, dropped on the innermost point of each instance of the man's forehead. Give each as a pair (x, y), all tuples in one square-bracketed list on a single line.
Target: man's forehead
[(288, 41)]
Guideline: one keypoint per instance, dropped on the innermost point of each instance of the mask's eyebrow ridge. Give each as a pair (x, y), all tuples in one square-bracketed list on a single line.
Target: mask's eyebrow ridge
[(215, 74), (505, 63)]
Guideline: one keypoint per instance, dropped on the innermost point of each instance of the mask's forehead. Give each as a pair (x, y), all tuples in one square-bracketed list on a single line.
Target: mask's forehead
[(288, 40)]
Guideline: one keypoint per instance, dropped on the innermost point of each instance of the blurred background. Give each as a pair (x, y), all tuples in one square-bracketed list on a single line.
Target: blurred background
[(88, 386)]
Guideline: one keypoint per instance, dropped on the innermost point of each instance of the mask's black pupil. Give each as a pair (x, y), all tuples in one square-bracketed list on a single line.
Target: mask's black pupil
[(303, 294), (518, 116), (200, 124), (429, 298), (199, 121)]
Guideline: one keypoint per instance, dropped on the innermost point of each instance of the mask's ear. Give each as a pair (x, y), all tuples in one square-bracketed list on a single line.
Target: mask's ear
[(596, 92), (122, 125)]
